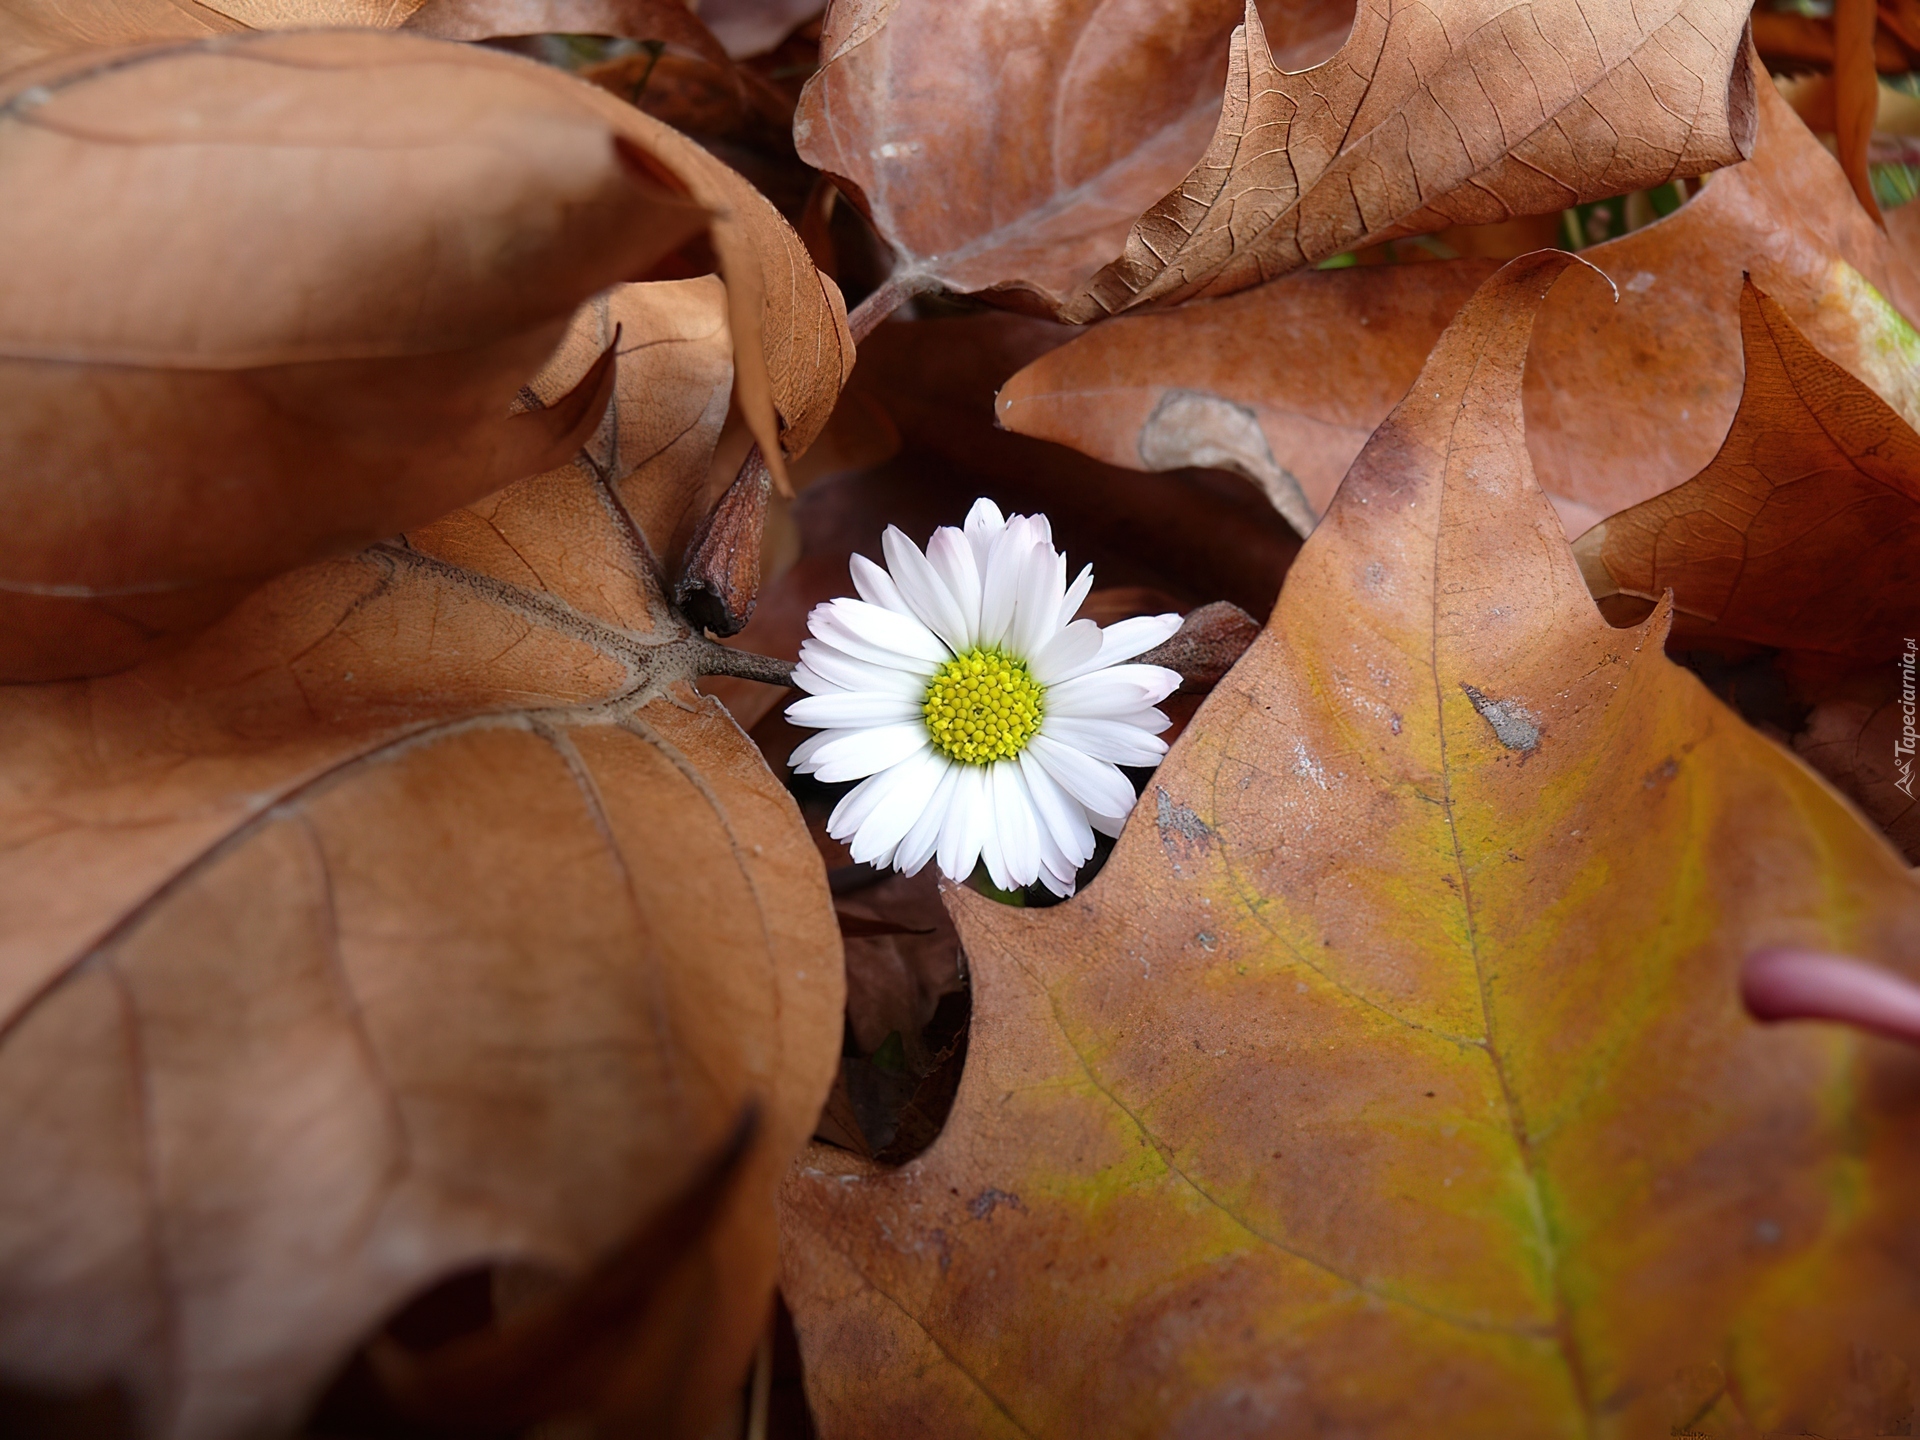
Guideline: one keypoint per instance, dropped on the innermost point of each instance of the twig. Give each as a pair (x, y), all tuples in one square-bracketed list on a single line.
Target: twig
[(894, 292), (716, 659)]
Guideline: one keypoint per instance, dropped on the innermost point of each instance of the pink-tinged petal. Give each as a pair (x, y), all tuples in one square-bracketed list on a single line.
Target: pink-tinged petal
[(917, 845), (983, 525), (1061, 882), (1117, 690), (909, 785), (963, 829), (1808, 985), (1015, 824), (875, 586), (924, 590), (1106, 740), (851, 710), (1065, 652), (1102, 790), (1061, 816), (856, 754), (951, 557)]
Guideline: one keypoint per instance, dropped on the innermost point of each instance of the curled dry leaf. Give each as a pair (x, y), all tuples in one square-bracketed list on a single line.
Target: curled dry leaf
[(1016, 168), (1628, 399), (1855, 739), (204, 407), (1282, 384), (1426, 117), (415, 918), (1351, 1096), (1804, 532), (753, 27), (1458, 113), (1626, 396), (32, 30), (667, 21)]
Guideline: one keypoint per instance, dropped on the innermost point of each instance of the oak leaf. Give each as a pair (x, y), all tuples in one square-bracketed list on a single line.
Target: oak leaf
[(200, 405), (1013, 164), (1392, 1078), (1804, 531), (417, 918), (1626, 397), (1426, 117)]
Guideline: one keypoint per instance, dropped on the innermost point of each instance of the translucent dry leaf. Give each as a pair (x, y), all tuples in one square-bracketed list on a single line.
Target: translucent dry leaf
[(218, 385), (1392, 1076), (417, 917)]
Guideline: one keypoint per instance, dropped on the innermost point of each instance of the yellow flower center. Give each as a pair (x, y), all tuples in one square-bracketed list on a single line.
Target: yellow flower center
[(982, 706)]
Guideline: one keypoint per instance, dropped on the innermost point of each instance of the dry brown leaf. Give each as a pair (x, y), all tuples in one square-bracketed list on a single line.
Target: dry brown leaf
[(1008, 149), (32, 30), (667, 21), (203, 405), (1282, 384), (753, 27), (417, 917), (1855, 739), (1856, 93), (1804, 531), (1794, 39), (1392, 1078), (1463, 113), (1625, 398)]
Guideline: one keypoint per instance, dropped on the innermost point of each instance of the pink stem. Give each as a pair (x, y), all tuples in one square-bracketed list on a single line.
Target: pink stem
[(1807, 985)]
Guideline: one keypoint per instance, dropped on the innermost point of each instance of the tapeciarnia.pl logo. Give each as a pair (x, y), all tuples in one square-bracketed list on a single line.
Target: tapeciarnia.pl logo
[(1903, 747)]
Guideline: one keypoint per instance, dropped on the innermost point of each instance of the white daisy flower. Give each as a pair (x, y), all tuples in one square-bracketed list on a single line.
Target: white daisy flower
[(985, 722)]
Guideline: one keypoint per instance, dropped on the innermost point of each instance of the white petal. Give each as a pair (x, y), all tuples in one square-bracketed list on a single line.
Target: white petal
[(1076, 595), (1059, 885), (917, 845), (924, 590), (1041, 582), (965, 825), (882, 637), (804, 751), (1117, 690), (1109, 740), (857, 804), (909, 785), (951, 556), (851, 710), (1128, 638), (1015, 824), (1065, 652), (1006, 561), (824, 670), (856, 754), (1061, 816), (984, 523), (1097, 785), (875, 586)]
